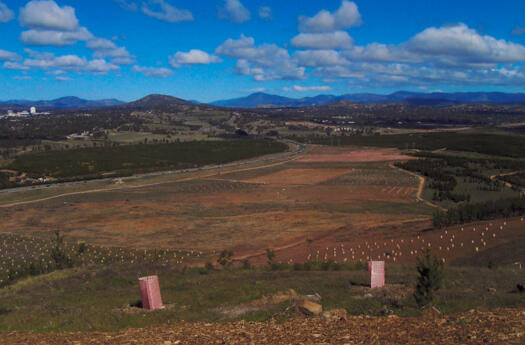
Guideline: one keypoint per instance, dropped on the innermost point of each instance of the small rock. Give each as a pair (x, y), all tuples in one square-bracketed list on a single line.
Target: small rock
[(309, 308), (368, 295), (491, 290), (334, 315)]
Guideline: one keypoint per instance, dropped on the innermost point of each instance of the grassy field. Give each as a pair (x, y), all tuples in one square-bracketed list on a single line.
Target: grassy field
[(93, 298), (139, 158)]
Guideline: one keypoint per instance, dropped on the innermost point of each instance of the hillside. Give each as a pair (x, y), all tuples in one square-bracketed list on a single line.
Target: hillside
[(156, 101)]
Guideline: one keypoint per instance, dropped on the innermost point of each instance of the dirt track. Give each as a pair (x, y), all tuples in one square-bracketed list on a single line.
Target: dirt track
[(503, 326)]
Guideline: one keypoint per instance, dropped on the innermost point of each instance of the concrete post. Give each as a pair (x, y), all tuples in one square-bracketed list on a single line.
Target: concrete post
[(150, 293), (377, 273)]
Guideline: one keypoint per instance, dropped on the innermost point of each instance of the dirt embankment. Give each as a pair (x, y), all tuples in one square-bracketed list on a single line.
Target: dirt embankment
[(503, 326)]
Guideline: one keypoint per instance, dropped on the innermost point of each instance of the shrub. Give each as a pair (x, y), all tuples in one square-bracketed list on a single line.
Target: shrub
[(246, 264), (225, 259), (270, 255), (431, 275)]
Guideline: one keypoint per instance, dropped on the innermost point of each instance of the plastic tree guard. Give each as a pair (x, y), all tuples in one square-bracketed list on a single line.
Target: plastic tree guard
[(377, 273), (150, 293)]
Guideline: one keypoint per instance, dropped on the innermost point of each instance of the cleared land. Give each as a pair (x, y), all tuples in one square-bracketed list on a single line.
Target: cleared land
[(218, 211), (333, 154)]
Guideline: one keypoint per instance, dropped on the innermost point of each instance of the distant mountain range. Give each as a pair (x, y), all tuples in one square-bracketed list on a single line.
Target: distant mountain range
[(63, 103), (415, 98), (267, 100)]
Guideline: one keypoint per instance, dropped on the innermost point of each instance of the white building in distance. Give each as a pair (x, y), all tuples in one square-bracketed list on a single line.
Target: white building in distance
[(32, 110)]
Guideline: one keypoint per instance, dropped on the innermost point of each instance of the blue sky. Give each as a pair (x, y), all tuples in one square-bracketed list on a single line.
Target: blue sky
[(214, 49)]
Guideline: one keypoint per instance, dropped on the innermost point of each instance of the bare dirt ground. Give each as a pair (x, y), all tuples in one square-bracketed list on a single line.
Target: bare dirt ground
[(403, 242), (502, 326), (338, 154), (216, 211), (300, 176)]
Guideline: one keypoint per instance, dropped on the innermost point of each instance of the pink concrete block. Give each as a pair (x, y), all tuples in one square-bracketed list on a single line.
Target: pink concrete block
[(377, 273), (150, 293)]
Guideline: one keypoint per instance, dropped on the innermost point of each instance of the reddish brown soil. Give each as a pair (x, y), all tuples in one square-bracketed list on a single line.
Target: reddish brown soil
[(403, 243), (502, 326), (333, 154), (299, 176)]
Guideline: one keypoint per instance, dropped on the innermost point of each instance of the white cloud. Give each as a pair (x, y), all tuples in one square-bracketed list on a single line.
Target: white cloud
[(100, 66), (311, 88), (167, 12), (160, 72), (346, 16), (100, 44), (14, 66), (459, 45), (234, 11), (105, 48), (193, 57), (74, 63), (47, 15), (265, 13), (328, 40), (8, 56), (123, 61), (129, 6), (5, 13), (263, 62), (316, 58), (54, 38)]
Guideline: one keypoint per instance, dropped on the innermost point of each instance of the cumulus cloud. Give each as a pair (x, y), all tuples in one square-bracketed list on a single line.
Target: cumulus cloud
[(327, 40), (51, 25), (48, 61), (316, 58), (346, 16), (263, 62), (193, 57), (234, 11), (54, 38), (265, 13), (8, 56), (461, 45), (166, 12), (104, 48), (5, 13), (47, 15), (161, 72), (14, 66)]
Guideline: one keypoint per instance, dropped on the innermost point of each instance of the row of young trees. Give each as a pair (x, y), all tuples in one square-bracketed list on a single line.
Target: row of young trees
[(470, 212)]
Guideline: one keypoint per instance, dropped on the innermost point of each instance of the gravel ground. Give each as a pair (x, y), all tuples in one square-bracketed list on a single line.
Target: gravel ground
[(502, 326)]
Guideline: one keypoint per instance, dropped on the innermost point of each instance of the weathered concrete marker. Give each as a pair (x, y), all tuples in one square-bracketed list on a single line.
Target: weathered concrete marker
[(377, 273), (150, 293)]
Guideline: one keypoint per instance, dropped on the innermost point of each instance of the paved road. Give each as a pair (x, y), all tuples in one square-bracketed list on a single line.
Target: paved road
[(297, 148)]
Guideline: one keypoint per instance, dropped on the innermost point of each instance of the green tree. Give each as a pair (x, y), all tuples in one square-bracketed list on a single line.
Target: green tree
[(226, 257), (431, 276)]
